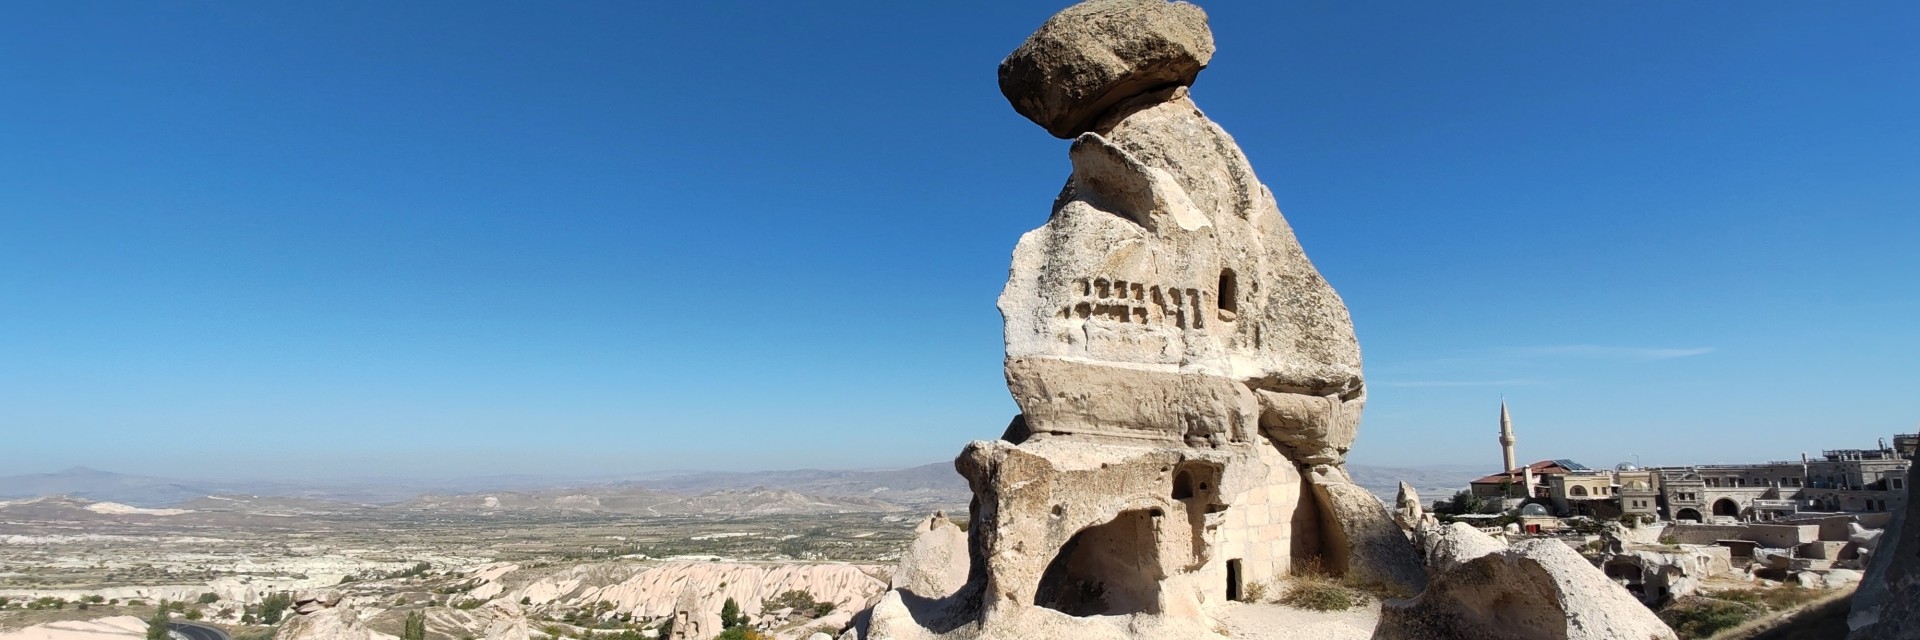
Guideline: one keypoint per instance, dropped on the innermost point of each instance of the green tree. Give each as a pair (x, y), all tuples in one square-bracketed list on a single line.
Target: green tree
[(273, 606), (665, 628), (730, 615), (209, 598), (415, 627), (157, 625)]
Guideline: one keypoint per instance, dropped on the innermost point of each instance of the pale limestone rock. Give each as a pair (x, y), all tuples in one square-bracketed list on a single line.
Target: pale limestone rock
[(1537, 590), (326, 622), (935, 563), (1189, 385), (509, 621), (1455, 544), (1363, 542), (1407, 510), (1096, 54), (1886, 606), (1657, 574)]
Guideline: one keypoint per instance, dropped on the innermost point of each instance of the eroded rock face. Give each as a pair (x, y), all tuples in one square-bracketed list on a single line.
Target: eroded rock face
[(1096, 54), (1189, 385), (1537, 590), (935, 563), (320, 615), (1887, 604)]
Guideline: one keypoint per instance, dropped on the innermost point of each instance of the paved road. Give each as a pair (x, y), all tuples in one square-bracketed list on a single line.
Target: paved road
[(197, 631)]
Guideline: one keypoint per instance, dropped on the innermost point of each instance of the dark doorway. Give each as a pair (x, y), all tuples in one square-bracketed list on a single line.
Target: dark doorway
[(1233, 580), (1726, 507)]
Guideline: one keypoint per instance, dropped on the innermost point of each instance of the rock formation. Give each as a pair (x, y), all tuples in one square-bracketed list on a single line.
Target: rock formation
[(321, 615), (1887, 604), (935, 563), (1189, 384), (1537, 590)]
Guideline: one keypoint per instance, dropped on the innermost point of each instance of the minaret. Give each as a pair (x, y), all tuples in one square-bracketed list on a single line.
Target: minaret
[(1506, 437)]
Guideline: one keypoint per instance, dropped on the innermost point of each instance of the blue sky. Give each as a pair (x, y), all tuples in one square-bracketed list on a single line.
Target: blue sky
[(434, 238)]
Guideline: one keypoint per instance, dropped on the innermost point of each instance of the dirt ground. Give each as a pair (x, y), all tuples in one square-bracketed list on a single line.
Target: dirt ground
[(1277, 622)]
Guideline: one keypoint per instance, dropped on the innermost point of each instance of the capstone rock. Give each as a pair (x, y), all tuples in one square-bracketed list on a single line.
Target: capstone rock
[(1096, 54), (1189, 385)]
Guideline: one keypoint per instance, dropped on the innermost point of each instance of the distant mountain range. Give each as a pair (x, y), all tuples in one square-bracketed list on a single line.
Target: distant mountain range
[(926, 487)]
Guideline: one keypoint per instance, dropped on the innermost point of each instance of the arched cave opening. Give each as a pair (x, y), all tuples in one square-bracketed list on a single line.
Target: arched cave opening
[(1726, 507), (1106, 569)]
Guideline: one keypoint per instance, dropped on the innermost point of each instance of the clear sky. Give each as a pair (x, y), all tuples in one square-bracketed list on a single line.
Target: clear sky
[(348, 238)]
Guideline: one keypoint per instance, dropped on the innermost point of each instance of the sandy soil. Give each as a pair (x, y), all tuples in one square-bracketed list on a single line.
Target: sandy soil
[(1276, 622)]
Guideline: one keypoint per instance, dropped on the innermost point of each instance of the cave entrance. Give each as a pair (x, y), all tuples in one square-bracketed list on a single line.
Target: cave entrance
[(1726, 507), (1106, 569), (1233, 580)]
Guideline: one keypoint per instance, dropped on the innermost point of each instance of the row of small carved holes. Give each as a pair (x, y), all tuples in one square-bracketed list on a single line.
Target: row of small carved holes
[(1186, 303)]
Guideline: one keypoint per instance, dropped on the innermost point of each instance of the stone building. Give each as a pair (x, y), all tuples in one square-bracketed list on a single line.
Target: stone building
[(1842, 480)]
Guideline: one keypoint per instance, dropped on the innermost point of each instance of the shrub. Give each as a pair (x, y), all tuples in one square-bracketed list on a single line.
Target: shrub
[(1311, 588), (209, 598), (1319, 594), (1694, 618), (1255, 592)]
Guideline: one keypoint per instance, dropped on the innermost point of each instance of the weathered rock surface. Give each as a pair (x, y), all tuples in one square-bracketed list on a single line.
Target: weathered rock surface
[(1407, 510), (320, 615), (1189, 385), (935, 563), (1455, 544), (1537, 590), (656, 591), (1096, 54), (509, 621), (1363, 541), (1887, 604)]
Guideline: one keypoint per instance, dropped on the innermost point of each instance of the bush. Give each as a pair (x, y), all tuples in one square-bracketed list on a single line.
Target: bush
[(801, 601), (1311, 588), (209, 598), (1694, 618), (1256, 592), (1320, 595)]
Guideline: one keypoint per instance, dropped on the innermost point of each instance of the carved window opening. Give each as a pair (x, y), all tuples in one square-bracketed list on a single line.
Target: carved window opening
[(1183, 485), (1106, 569), (1228, 296)]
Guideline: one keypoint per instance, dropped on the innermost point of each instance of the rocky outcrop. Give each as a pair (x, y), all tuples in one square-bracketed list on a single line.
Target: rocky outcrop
[(1455, 544), (1189, 385), (1537, 590), (935, 563), (322, 615), (1407, 510), (654, 591), (1096, 54), (509, 621), (1887, 604)]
